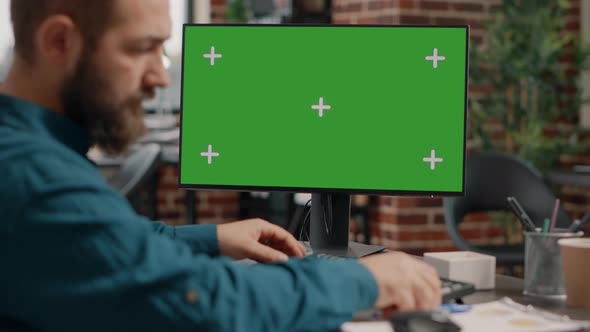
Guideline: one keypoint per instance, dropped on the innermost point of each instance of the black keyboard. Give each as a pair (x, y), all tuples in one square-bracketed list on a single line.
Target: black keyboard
[(451, 290), (455, 290)]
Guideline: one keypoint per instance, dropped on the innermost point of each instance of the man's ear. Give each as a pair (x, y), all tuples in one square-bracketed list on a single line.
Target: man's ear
[(58, 41)]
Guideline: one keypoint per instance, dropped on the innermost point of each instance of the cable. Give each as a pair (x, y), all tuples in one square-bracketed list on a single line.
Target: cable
[(328, 220), (305, 221)]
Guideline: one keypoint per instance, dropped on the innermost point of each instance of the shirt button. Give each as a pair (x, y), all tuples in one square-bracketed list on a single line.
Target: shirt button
[(191, 297)]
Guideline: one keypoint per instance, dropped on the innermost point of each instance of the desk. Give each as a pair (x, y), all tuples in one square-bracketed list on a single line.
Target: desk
[(512, 287)]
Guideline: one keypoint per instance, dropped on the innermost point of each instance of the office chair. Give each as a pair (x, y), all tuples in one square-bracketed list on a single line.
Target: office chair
[(137, 171), (489, 179)]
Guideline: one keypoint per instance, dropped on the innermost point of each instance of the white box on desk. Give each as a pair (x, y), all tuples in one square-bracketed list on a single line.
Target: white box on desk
[(467, 266)]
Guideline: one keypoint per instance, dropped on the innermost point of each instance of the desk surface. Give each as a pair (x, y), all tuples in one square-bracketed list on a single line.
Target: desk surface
[(512, 287)]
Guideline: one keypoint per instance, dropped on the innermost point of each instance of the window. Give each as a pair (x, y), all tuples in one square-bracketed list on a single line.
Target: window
[(6, 38), (168, 99)]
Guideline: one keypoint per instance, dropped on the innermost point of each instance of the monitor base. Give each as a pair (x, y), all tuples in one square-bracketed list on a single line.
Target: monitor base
[(355, 249)]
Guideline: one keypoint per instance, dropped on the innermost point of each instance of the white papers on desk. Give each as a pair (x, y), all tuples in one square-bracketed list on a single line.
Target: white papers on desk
[(503, 315), (508, 316), (377, 326)]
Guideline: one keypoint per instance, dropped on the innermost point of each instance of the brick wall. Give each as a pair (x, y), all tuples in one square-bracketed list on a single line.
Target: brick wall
[(212, 207), (576, 200), (218, 11)]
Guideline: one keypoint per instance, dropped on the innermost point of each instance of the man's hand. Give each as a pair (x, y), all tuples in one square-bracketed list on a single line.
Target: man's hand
[(404, 283), (257, 239)]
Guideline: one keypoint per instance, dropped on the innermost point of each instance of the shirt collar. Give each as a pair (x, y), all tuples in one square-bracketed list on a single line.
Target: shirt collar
[(27, 116)]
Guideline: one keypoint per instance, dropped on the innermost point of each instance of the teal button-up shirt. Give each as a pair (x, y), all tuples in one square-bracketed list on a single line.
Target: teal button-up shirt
[(76, 257)]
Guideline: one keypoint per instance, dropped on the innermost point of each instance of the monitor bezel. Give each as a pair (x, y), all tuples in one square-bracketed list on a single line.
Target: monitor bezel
[(318, 189)]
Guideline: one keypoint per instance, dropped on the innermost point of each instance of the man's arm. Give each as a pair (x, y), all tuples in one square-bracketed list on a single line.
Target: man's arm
[(89, 263), (202, 239)]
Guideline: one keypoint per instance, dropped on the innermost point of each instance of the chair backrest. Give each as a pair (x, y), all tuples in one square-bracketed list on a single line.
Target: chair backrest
[(491, 177), (137, 169)]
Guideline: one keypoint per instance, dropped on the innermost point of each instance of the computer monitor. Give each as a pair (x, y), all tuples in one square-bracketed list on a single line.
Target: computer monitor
[(331, 110)]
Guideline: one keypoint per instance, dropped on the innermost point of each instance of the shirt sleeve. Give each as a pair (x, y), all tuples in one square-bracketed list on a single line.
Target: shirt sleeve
[(202, 239), (87, 262)]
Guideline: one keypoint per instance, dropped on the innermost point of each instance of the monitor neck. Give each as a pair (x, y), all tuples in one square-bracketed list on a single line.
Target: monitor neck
[(329, 224)]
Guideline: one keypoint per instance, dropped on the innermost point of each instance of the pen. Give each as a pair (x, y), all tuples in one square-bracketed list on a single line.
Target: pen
[(453, 308), (554, 215), (576, 225), (521, 214), (546, 225)]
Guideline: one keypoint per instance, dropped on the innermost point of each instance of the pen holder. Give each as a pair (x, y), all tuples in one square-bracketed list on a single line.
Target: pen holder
[(543, 272)]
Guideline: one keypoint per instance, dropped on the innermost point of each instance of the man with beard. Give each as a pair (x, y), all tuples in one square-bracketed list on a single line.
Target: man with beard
[(76, 257)]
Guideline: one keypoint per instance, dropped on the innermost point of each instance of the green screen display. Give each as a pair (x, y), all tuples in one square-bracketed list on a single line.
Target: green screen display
[(357, 108)]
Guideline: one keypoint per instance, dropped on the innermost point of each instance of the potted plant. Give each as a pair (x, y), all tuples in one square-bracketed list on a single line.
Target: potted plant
[(528, 84)]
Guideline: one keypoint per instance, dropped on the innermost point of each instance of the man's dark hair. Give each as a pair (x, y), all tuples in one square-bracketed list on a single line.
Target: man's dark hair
[(91, 16)]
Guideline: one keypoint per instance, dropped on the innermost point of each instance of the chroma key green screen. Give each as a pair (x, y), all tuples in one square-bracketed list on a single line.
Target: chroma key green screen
[(363, 109)]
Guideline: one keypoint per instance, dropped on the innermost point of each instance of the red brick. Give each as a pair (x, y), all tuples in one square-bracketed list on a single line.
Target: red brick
[(205, 212), (167, 186), (483, 89), (169, 170), (381, 4), (386, 19), (230, 213), (418, 202), (411, 19), (168, 214), (422, 235), (179, 200), (384, 217), (471, 234), (406, 4), (442, 249), (573, 11), (434, 5), (386, 200), (468, 7), (572, 25), (348, 8), (342, 21), (476, 217), (223, 200), (367, 20), (494, 232), (410, 219), (415, 251), (439, 219), (377, 5), (575, 198), (450, 20)]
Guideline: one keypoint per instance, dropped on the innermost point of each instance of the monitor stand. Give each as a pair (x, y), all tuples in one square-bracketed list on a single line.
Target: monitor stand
[(329, 227)]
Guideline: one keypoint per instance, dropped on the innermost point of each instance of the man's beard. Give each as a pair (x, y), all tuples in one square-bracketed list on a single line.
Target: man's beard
[(87, 99)]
